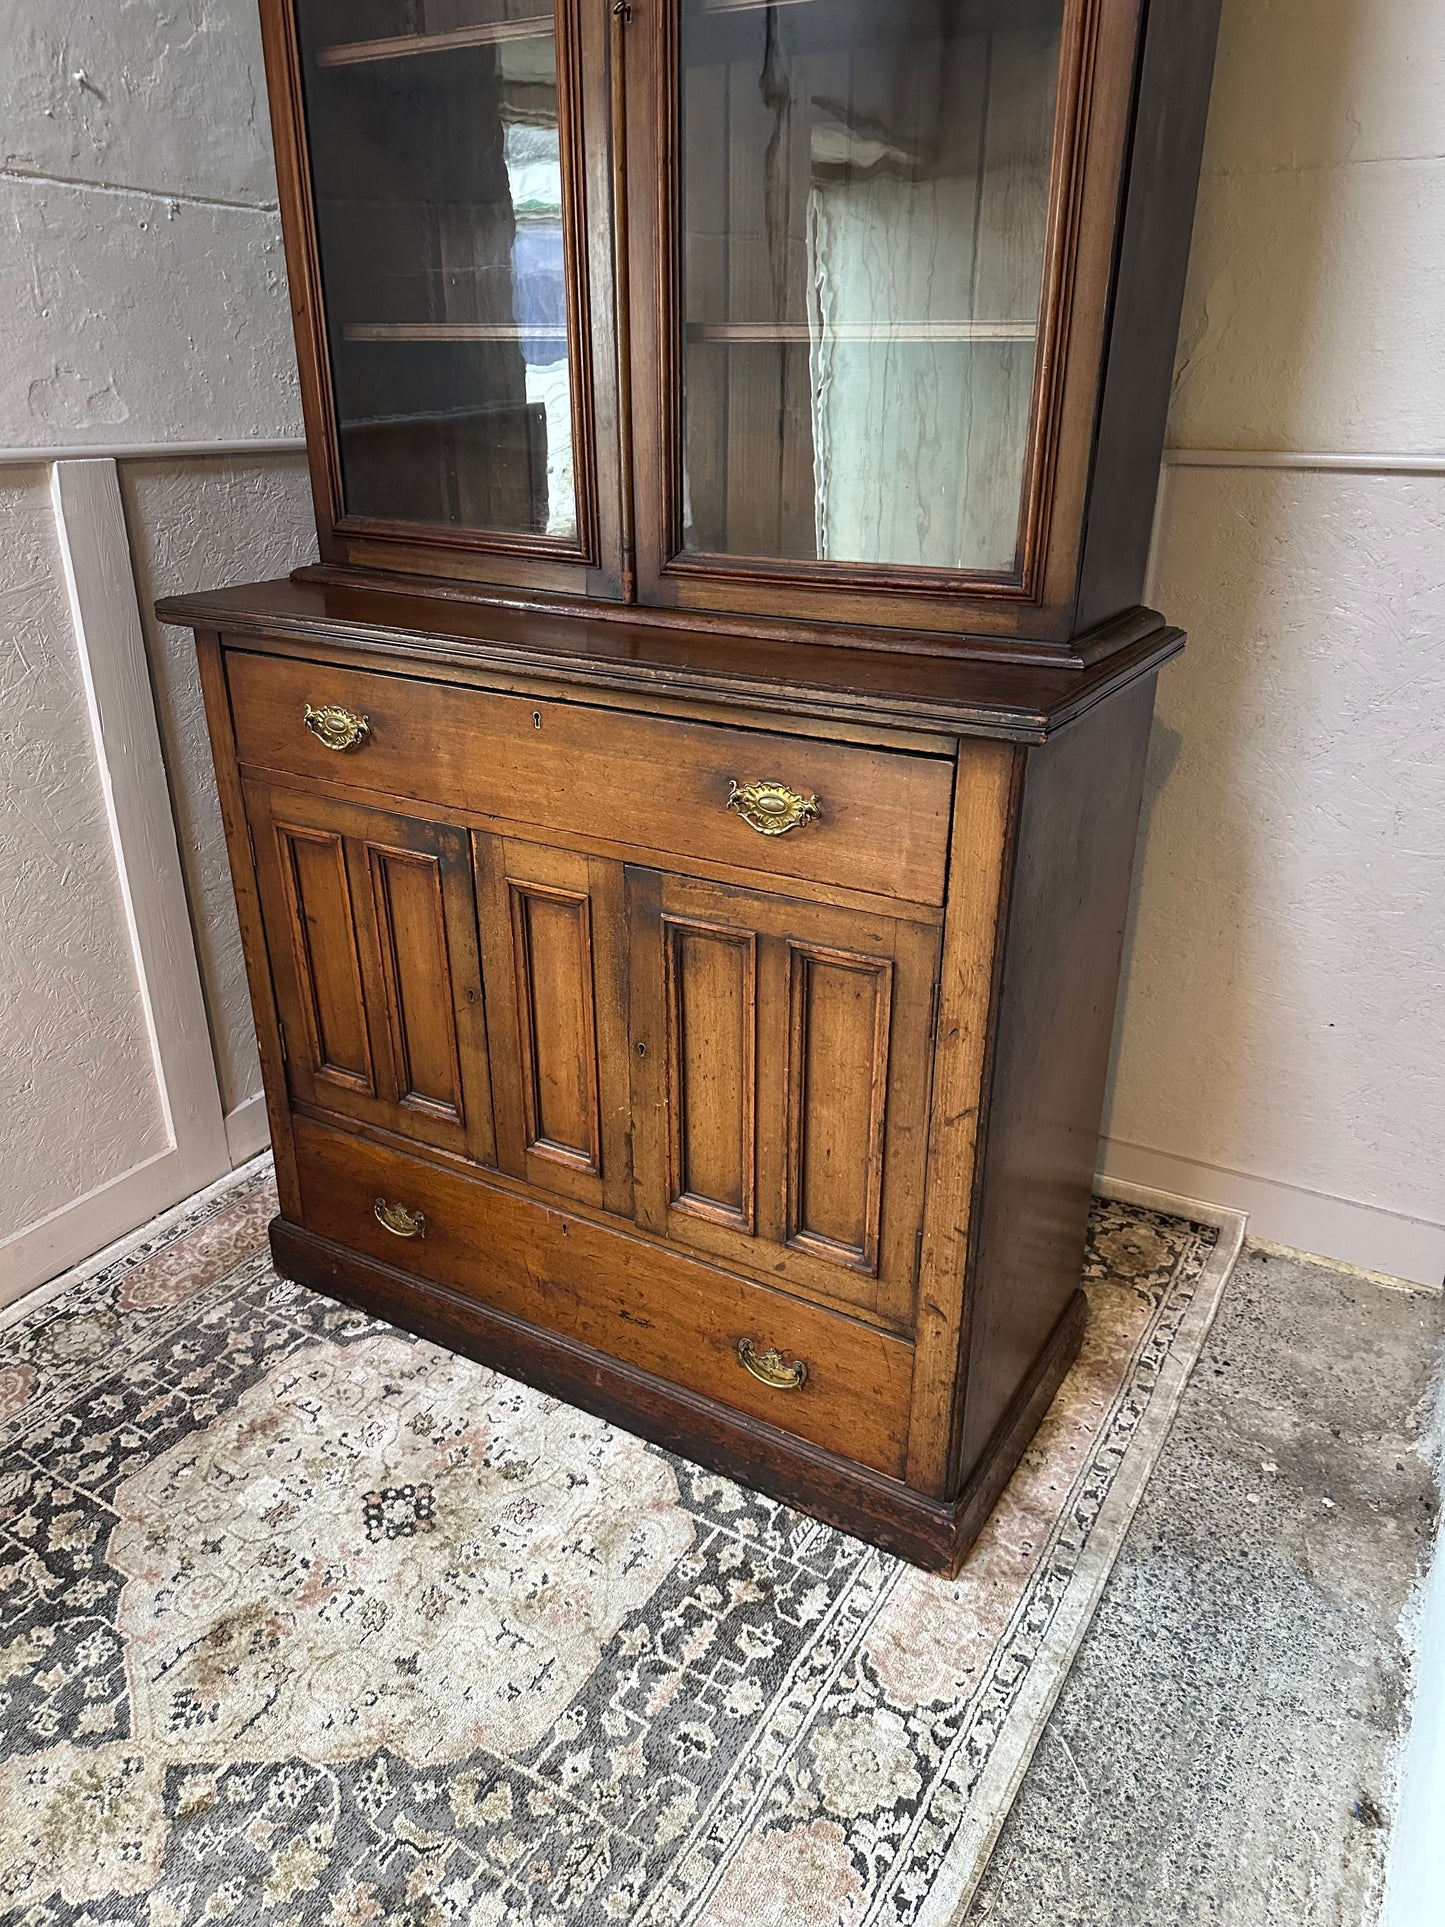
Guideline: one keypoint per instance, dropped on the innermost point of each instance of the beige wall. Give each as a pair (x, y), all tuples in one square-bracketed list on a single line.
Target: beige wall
[(1281, 1038), (196, 525)]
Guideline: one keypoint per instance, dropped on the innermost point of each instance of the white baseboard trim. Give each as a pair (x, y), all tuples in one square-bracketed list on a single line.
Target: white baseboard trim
[(117, 1246), (100, 582), (247, 1131), (69, 1235), (1366, 1236)]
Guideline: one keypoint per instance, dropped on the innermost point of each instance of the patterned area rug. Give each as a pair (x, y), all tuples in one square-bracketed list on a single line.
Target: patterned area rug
[(306, 1621)]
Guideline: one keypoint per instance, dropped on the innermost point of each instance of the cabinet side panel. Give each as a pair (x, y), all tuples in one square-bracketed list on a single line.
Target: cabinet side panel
[(1067, 911), (1163, 182)]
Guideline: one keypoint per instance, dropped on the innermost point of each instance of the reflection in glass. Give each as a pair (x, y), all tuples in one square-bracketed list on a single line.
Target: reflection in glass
[(437, 179), (864, 211)]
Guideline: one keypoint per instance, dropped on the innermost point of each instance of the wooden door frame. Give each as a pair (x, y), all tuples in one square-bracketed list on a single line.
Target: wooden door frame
[(594, 567), (1099, 55)]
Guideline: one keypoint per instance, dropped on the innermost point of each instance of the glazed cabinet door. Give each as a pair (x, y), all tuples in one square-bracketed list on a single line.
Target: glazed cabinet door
[(371, 931), (780, 1074), (553, 952), (869, 273), (445, 176)]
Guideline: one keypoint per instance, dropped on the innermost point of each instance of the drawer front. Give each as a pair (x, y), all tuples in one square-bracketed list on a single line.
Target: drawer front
[(648, 782), (637, 1302)]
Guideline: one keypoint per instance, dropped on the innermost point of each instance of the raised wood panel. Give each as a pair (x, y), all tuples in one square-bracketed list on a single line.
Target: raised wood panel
[(712, 1070), (839, 1008), (553, 934), (406, 889), (321, 923), (556, 1023)]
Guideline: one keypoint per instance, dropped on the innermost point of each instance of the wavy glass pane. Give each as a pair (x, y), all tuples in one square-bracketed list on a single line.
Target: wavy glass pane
[(865, 200), (437, 178)]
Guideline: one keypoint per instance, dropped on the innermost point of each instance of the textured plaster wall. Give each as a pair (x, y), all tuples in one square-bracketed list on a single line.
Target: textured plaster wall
[(141, 275), (194, 525), (142, 300), (77, 1091), (1314, 317), (1284, 1010)]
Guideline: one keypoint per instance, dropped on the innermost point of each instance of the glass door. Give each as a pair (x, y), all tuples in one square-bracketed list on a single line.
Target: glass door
[(857, 263), (448, 191)]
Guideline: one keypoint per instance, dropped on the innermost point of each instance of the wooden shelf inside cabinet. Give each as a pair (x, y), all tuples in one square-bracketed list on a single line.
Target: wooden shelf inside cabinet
[(865, 331), (454, 331), (406, 46)]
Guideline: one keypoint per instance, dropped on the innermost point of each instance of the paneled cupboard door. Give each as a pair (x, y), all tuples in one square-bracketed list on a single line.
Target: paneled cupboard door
[(868, 298), (780, 1054), (371, 929), (449, 209), (552, 946)]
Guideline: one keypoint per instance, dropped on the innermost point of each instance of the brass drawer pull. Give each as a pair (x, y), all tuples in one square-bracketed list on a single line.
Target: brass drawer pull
[(400, 1222), (772, 809), (771, 1367), (337, 728)]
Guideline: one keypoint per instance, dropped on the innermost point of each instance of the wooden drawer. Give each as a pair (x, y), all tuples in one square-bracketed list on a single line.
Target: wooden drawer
[(637, 1302), (645, 782)]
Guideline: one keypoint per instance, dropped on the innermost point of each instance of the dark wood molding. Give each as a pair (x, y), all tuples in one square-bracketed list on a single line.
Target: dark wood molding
[(487, 643)]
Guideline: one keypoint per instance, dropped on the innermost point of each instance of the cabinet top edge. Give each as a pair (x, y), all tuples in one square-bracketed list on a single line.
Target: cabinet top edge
[(1020, 702)]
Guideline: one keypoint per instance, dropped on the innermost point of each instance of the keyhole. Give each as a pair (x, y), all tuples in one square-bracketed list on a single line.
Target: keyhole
[(536, 719), (642, 1050)]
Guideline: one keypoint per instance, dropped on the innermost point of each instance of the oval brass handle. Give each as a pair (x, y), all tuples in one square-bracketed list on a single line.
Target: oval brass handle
[(400, 1222), (771, 1367), (335, 727), (772, 809)]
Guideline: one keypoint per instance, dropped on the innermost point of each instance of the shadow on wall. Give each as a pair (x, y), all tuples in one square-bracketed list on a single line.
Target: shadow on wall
[(1209, 963)]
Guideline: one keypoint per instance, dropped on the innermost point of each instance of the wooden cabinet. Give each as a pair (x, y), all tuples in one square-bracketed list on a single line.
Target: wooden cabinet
[(682, 828)]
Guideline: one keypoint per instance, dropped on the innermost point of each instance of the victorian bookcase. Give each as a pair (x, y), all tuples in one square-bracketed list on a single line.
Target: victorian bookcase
[(682, 827)]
